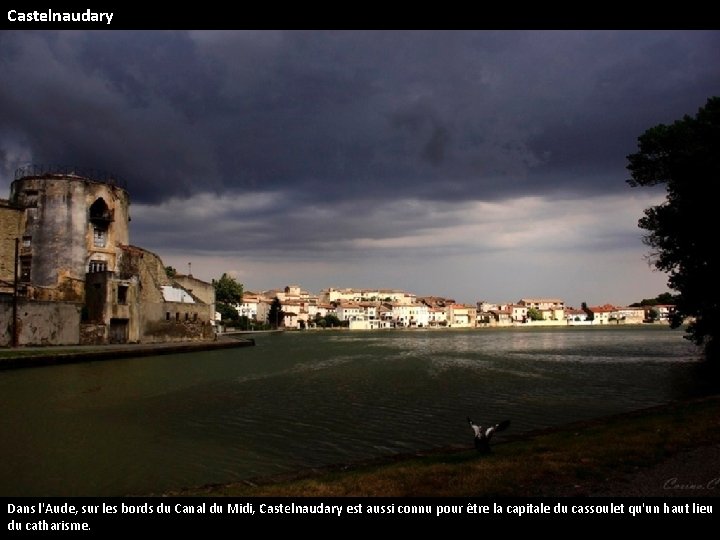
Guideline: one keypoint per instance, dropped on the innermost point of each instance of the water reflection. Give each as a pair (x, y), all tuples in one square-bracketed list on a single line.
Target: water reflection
[(297, 400)]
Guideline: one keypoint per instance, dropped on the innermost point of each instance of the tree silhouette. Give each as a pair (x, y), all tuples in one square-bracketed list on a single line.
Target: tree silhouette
[(228, 290), (685, 157), (276, 317)]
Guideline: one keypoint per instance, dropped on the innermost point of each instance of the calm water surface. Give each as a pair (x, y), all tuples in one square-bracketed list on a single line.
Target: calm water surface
[(145, 425)]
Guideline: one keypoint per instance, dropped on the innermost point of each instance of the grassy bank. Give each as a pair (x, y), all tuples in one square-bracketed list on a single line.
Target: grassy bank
[(572, 460)]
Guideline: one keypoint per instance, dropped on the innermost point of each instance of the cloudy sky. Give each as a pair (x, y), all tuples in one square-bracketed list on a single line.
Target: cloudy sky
[(475, 165)]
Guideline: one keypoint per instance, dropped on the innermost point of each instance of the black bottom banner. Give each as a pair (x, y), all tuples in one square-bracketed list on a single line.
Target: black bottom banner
[(109, 516)]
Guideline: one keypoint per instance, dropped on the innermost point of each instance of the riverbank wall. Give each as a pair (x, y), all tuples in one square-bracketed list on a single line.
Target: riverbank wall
[(50, 356)]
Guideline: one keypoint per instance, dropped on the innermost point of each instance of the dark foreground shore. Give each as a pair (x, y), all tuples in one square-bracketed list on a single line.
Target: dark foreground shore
[(671, 450)]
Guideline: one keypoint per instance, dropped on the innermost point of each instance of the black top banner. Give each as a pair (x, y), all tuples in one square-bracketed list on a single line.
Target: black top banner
[(301, 16)]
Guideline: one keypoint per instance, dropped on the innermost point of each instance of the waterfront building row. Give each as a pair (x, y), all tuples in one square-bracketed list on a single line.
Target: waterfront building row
[(370, 309)]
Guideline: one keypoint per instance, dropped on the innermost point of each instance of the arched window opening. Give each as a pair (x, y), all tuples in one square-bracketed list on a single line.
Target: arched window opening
[(100, 213), (100, 216)]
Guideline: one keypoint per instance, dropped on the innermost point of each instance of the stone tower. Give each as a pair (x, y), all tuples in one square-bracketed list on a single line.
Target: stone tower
[(79, 279), (72, 225)]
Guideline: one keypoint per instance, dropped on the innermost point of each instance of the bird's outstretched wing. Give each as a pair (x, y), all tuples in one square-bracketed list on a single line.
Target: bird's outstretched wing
[(497, 427), (477, 430)]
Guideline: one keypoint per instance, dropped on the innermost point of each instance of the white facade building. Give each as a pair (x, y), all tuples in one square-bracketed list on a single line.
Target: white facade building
[(411, 315)]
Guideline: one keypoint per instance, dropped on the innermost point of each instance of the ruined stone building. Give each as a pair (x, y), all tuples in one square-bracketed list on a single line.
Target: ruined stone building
[(78, 279)]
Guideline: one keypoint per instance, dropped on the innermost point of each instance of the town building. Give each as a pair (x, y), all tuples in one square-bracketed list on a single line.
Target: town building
[(602, 314), (542, 304), (410, 315), (518, 313), (501, 317), (437, 316), (573, 315), (629, 315), (664, 311), (461, 316), (249, 305), (332, 295)]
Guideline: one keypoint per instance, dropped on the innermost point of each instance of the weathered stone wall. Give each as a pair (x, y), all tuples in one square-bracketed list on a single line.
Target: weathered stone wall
[(93, 334), (164, 332), (158, 320), (201, 290), (68, 289), (130, 309), (176, 321), (96, 295), (104, 302), (41, 323), (10, 229), (148, 268)]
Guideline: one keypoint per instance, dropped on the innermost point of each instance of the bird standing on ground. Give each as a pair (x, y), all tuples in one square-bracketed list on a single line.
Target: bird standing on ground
[(483, 436)]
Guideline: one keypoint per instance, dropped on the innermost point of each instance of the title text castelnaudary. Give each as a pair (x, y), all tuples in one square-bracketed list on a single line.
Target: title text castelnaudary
[(58, 16)]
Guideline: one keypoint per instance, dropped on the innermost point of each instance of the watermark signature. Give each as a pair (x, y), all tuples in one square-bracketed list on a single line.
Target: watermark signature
[(674, 483)]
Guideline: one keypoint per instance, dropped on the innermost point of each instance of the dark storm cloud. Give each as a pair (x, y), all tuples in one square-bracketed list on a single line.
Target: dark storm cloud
[(240, 225), (333, 116), (641, 81)]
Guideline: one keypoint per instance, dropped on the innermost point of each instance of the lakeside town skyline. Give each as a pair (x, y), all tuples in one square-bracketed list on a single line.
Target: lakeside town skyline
[(462, 164), (271, 291), (374, 309), (370, 292)]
